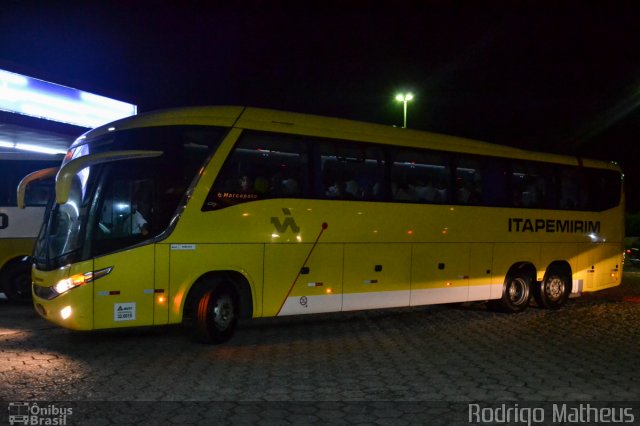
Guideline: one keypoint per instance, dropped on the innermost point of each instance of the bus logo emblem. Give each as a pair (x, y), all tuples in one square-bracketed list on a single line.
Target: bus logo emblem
[(289, 222)]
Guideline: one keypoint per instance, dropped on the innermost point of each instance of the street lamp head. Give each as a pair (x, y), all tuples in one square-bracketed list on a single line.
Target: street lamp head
[(404, 97)]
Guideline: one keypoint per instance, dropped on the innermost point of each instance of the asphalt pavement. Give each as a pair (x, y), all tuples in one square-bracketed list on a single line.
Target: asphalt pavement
[(450, 364)]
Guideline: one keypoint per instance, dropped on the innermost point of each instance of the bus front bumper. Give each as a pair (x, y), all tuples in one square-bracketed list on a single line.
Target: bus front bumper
[(73, 310)]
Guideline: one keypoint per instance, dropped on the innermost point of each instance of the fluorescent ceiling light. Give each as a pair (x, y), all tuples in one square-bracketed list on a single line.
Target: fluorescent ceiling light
[(38, 148), (32, 148), (25, 95)]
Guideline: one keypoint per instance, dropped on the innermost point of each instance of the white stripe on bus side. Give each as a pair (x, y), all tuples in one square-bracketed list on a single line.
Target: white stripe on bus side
[(387, 299)]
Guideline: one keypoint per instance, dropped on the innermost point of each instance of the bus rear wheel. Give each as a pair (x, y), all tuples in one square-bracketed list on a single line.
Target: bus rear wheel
[(216, 315), (553, 291), (515, 293), (16, 279)]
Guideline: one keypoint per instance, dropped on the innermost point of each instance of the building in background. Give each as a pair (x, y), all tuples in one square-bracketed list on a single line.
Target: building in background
[(38, 122), (40, 116)]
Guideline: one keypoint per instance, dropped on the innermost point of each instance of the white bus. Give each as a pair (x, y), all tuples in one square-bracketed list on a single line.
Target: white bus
[(19, 227)]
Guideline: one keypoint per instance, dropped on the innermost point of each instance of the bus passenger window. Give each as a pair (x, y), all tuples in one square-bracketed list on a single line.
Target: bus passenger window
[(604, 188), (481, 180), (262, 166), (351, 171), (570, 191), (528, 185), (419, 176), (468, 181)]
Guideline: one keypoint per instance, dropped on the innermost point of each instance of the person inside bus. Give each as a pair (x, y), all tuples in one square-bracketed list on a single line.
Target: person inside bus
[(403, 191), (352, 189), (245, 183), (468, 191), (261, 186), (139, 225), (425, 192), (339, 191)]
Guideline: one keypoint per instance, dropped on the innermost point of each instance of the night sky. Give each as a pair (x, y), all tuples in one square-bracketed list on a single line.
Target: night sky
[(550, 75)]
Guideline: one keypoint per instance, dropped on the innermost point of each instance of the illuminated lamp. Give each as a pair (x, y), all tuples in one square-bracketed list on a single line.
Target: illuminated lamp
[(37, 98)]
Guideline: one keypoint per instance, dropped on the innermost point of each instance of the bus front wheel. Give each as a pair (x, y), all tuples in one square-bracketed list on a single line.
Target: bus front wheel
[(216, 315), (553, 291), (515, 293), (16, 279)]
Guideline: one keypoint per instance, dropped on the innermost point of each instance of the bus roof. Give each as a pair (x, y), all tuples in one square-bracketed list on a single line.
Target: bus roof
[(336, 128)]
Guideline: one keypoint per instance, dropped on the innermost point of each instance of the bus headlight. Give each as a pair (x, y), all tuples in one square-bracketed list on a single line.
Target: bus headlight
[(72, 282)]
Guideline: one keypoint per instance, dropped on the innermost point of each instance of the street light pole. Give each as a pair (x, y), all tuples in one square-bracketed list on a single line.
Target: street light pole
[(404, 98)]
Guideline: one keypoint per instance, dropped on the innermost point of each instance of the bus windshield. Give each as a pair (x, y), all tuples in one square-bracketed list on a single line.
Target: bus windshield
[(115, 205)]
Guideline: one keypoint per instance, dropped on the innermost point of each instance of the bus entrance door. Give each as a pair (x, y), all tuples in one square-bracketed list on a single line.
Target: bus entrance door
[(124, 293)]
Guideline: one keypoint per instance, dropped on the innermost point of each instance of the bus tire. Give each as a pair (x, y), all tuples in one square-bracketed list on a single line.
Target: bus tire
[(516, 292), (16, 280), (553, 291), (216, 315)]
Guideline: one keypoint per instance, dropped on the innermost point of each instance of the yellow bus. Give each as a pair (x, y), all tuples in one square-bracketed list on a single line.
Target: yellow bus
[(208, 215), (19, 227)]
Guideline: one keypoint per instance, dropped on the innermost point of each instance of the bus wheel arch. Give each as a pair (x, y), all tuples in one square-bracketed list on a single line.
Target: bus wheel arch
[(516, 289), (15, 278), (554, 289), (215, 303)]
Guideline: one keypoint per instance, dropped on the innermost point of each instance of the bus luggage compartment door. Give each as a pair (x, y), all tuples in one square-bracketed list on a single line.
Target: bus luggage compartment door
[(292, 286), (440, 273), (376, 276)]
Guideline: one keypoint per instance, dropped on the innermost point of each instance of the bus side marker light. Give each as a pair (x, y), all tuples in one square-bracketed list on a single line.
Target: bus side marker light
[(329, 291)]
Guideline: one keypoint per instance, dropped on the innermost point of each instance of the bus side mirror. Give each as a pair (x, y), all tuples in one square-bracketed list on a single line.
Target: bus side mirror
[(33, 177), (70, 169)]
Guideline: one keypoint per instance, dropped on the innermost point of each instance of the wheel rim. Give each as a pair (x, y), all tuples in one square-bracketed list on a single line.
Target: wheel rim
[(223, 312), (517, 291), (555, 288)]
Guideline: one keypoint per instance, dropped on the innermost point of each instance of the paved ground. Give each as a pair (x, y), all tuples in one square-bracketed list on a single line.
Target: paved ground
[(412, 366)]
